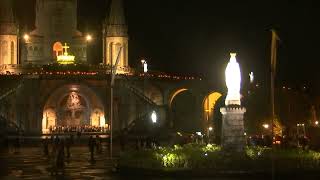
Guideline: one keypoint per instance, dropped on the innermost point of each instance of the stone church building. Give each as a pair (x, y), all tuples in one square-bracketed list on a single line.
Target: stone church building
[(38, 93)]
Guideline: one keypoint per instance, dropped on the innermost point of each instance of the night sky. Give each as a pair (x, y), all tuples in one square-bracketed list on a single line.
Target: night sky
[(195, 37)]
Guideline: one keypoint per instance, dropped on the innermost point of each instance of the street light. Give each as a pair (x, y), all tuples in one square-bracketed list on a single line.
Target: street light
[(154, 117), (144, 65), (316, 123), (209, 130), (26, 37), (88, 38), (266, 126), (142, 62)]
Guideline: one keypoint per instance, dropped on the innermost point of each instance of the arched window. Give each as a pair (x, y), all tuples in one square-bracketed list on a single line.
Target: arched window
[(12, 52), (57, 48)]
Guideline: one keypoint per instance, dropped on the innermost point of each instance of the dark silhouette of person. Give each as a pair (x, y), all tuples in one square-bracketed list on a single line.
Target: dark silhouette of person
[(46, 146), (91, 145), (60, 158), (16, 145), (122, 141), (98, 144), (68, 144)]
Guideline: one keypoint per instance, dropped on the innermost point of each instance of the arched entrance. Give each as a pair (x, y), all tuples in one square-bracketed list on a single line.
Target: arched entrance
[(185, 111), (73, 106), (210, 110)]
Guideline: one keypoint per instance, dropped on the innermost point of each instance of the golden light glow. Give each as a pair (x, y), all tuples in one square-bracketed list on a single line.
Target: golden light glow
[(26, 37), (88, 37), (209, 104), (65, 58), (266, 126), (102, 121)]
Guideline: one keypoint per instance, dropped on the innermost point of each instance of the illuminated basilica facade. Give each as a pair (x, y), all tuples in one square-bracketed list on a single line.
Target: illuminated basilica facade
[(41, 94)]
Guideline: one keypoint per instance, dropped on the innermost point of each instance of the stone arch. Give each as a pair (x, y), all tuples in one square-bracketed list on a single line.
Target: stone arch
[(154, 93), (97, 117), (4, 50), (73, 105), (185, 111), (174, 94)]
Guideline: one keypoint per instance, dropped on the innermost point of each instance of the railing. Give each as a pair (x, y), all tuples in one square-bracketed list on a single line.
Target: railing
[(138, 92), (9, 92), (23, 68), (133, 123)]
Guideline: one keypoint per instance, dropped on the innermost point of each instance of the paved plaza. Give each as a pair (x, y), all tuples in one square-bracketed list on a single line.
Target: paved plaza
[(30, 163)]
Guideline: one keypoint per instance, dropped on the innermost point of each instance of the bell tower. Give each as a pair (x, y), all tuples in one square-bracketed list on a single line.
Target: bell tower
[(8, 34), (116, 36)]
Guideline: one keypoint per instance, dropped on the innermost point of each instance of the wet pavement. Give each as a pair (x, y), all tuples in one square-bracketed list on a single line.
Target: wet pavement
[(30, 163)]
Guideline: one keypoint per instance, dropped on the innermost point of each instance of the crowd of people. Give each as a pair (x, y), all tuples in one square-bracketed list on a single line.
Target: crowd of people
[(58, 150), (281, 141), (76, 129)]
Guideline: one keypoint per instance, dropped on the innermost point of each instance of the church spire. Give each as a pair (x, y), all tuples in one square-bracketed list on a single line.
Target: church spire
[(6, 11), (7, 23), (116, 24)]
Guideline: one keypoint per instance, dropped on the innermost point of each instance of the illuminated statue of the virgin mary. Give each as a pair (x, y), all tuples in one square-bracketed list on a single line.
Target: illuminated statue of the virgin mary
[(233, 81)]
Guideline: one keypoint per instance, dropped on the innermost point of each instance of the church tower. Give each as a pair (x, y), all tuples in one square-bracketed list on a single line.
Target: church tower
[(8, 34), (55, 23), (116, 36)]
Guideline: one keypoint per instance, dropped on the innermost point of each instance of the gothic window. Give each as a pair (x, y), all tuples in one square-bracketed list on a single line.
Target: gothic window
[(4, 48), (12, 52), (36, 51), (30, 51), (110, 53)]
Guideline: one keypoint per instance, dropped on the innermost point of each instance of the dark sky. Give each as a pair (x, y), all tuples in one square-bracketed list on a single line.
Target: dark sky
[(196, 36)]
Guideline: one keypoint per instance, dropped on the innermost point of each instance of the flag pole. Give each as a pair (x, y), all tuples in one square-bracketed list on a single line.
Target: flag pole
[(273, 74), (113, 72)]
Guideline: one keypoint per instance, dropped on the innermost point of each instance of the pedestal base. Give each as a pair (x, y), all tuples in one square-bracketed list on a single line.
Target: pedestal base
[(232, 136)]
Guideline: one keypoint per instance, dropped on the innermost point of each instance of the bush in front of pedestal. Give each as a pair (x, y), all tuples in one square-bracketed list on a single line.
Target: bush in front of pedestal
[(187, 156)]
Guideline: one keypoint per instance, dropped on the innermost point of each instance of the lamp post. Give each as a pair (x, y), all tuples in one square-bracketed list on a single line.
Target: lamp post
[(142, 62), (26, 39), (88, 40), (210, 128)]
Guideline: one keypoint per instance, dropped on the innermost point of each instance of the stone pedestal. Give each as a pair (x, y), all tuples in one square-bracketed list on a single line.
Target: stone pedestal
[(232, 135)]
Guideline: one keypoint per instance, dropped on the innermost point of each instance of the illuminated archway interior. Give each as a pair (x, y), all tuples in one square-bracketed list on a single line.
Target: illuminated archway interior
[(209, 105), (73, 105)]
